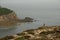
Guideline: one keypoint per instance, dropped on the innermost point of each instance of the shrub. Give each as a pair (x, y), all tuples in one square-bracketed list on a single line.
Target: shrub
[(20, 38)]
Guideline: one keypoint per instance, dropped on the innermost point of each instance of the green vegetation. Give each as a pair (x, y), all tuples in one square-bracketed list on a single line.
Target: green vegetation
[(19, 34), (21, 38), (4, 11)]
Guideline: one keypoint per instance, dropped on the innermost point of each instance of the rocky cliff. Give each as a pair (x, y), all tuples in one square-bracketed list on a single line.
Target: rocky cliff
[(8, 20), (9, 17)]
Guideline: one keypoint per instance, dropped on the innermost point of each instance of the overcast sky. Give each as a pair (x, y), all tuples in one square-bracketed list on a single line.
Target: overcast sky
[(29, 1), (43, 9), (40, 3)]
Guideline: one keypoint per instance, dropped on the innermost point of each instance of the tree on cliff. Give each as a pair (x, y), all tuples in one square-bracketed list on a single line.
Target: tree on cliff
[(4, 11)]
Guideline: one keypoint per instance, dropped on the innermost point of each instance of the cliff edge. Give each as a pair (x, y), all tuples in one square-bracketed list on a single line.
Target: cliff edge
[(7, 17)]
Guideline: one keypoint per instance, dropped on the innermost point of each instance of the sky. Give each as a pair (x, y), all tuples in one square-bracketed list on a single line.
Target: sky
[(46, 10), (39, 3)]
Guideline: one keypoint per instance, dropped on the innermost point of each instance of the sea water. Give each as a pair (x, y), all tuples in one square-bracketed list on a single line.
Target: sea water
[(43, 14)]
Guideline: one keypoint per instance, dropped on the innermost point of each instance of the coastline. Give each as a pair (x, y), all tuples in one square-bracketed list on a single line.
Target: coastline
[(45, 32), (9, 18)]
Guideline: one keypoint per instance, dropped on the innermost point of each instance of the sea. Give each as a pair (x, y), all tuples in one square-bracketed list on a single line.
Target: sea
[(50, 16)]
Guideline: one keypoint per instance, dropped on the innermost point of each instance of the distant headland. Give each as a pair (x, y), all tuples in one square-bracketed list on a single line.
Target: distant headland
[(8, 17)]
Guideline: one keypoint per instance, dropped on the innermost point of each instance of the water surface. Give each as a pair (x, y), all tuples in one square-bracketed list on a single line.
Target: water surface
[(48, 13)]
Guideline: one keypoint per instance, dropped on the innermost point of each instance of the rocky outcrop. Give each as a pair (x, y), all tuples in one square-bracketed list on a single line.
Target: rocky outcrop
[(41, 33), (8, 19), (12, 19), (11, 16), (26, 19)]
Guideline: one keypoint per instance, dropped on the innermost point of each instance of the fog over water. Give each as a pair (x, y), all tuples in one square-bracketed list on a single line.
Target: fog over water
[(45, 11)]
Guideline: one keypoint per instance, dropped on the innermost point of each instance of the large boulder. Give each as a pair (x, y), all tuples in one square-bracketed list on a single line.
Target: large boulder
[(28, 19)]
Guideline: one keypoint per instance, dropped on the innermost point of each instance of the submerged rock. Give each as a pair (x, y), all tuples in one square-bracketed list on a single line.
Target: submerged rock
[(26, 19)]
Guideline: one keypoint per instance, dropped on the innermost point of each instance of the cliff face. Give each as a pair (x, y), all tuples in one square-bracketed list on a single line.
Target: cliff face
[(8, 20), (8, 17)]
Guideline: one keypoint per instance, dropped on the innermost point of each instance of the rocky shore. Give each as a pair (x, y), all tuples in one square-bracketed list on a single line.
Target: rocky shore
[(9, 18), (12, 19), (41, 33)]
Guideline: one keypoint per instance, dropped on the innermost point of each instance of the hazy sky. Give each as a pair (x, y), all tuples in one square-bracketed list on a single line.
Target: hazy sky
[(40, 3), (46, 10), (29, 1)]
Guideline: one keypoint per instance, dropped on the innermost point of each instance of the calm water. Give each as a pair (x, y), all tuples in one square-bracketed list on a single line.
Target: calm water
[(49, 16)]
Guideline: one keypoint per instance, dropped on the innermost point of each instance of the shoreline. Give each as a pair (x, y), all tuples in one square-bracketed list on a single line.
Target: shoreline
[(34, 33), (15, 22)]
